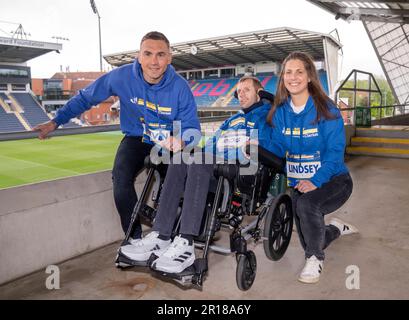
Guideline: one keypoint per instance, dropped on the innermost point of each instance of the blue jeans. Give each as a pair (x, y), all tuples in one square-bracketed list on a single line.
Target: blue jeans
[(309, 210), (129, 162)]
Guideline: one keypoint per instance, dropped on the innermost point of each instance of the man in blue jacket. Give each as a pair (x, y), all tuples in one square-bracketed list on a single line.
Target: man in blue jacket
[(192, 182), (152, 95)]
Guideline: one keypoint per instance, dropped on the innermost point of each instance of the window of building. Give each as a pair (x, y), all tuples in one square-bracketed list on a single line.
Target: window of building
[(195, 75), (214, 73), (226, 73), (13, 73), (18, 87)]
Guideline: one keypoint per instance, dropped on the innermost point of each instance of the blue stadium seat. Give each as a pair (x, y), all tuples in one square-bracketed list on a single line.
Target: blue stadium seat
[(33, 113), (8, 121)]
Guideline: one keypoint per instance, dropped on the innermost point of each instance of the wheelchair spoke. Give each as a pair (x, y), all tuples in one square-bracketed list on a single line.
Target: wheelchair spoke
[(274, 237), (278, 242), (284, 222), (285, 236)]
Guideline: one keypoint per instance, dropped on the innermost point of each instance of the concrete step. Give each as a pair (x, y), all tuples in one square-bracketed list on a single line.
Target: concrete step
[(399, 132), (373, 142), (378, 152)]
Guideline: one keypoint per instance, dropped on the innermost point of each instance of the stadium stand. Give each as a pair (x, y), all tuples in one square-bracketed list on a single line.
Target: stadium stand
[(4, 99), (8, 121), (33, 113), (208, 91)]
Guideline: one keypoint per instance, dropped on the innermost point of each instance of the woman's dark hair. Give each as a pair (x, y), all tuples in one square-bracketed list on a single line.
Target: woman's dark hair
[(315, 90)]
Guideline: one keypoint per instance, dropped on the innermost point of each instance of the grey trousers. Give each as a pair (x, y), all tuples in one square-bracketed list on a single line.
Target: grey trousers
[(310, 208), (190, 182)]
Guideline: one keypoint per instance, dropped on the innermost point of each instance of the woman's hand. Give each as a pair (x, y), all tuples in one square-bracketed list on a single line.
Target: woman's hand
[(305, 186)]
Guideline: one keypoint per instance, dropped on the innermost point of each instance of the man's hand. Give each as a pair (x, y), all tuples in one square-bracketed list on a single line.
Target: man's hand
[(248, 144), (172, 144), (305, 186), (45, 128)]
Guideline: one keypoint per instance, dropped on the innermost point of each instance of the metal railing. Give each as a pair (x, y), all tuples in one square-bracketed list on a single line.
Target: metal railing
[(376, 113)]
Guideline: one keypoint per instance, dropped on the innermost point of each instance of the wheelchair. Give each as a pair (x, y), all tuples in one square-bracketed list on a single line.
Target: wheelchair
[(235, 196)]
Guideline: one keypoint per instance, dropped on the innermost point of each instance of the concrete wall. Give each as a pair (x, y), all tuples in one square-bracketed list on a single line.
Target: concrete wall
[(49, 222), (60, 132), (349, 133), (402, 120)]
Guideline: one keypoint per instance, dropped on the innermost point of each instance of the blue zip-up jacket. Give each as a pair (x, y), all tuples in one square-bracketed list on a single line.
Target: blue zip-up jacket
[(146, 110), (238, 128), (303, 140)]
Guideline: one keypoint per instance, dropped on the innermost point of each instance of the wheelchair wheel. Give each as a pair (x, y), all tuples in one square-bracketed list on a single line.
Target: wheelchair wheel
[(278, 227), (246, 270)]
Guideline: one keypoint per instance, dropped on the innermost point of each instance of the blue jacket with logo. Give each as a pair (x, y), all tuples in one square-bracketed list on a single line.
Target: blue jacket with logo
[(146, 110), (318, 148), (228, 140)]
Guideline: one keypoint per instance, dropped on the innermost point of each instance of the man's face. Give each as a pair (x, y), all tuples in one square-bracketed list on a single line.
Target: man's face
[(247, 93), (154, 58)]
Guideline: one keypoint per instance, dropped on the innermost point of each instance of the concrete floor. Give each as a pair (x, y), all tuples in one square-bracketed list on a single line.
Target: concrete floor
[(378, 207)]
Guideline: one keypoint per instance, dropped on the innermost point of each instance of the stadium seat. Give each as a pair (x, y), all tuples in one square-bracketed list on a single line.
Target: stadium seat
[(33, 112)]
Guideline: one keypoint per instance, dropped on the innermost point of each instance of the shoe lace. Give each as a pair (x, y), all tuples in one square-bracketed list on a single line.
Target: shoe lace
[(147, 239), (176, 248)]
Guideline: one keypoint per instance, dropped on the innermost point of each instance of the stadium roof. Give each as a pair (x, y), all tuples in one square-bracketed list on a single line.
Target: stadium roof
[(265, 45), (387, 25), (368, 10), (14, 50)]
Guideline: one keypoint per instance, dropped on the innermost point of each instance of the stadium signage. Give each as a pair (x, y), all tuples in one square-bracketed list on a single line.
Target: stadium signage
[(28, 43)]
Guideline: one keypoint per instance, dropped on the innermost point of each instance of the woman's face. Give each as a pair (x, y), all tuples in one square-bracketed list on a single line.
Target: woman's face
[(295, 77)]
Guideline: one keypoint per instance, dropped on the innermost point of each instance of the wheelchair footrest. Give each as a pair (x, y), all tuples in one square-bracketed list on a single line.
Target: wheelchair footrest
[(188, 276), (122, 261)]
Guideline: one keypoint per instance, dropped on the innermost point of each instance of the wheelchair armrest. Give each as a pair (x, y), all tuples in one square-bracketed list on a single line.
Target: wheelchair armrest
[(158, 166), (149, 164), (269, 159), (228, 171)]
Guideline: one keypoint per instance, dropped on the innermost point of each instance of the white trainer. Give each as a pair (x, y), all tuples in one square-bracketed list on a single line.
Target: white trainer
[(344, 228), (312, 270), (141, 249), (134, 241), (177, 257)]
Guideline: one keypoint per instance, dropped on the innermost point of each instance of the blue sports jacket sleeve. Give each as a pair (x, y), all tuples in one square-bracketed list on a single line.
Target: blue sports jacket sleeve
[(188, 115), (276, 143), (334, 139), (95, 93)]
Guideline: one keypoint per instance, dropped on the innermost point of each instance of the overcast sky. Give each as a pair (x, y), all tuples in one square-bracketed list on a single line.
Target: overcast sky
[(124, 22)]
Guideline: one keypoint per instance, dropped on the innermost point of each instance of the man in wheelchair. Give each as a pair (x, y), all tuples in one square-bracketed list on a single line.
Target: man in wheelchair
[(192, 181)]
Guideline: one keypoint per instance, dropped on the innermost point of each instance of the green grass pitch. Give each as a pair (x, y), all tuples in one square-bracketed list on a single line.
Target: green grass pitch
[(33, 160)]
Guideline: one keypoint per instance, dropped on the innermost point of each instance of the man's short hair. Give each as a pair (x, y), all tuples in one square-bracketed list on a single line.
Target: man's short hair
[(256, 82), (155, 35)]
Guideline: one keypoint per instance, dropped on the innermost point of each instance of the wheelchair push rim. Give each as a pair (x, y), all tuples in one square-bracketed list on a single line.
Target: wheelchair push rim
[(278, 227)]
